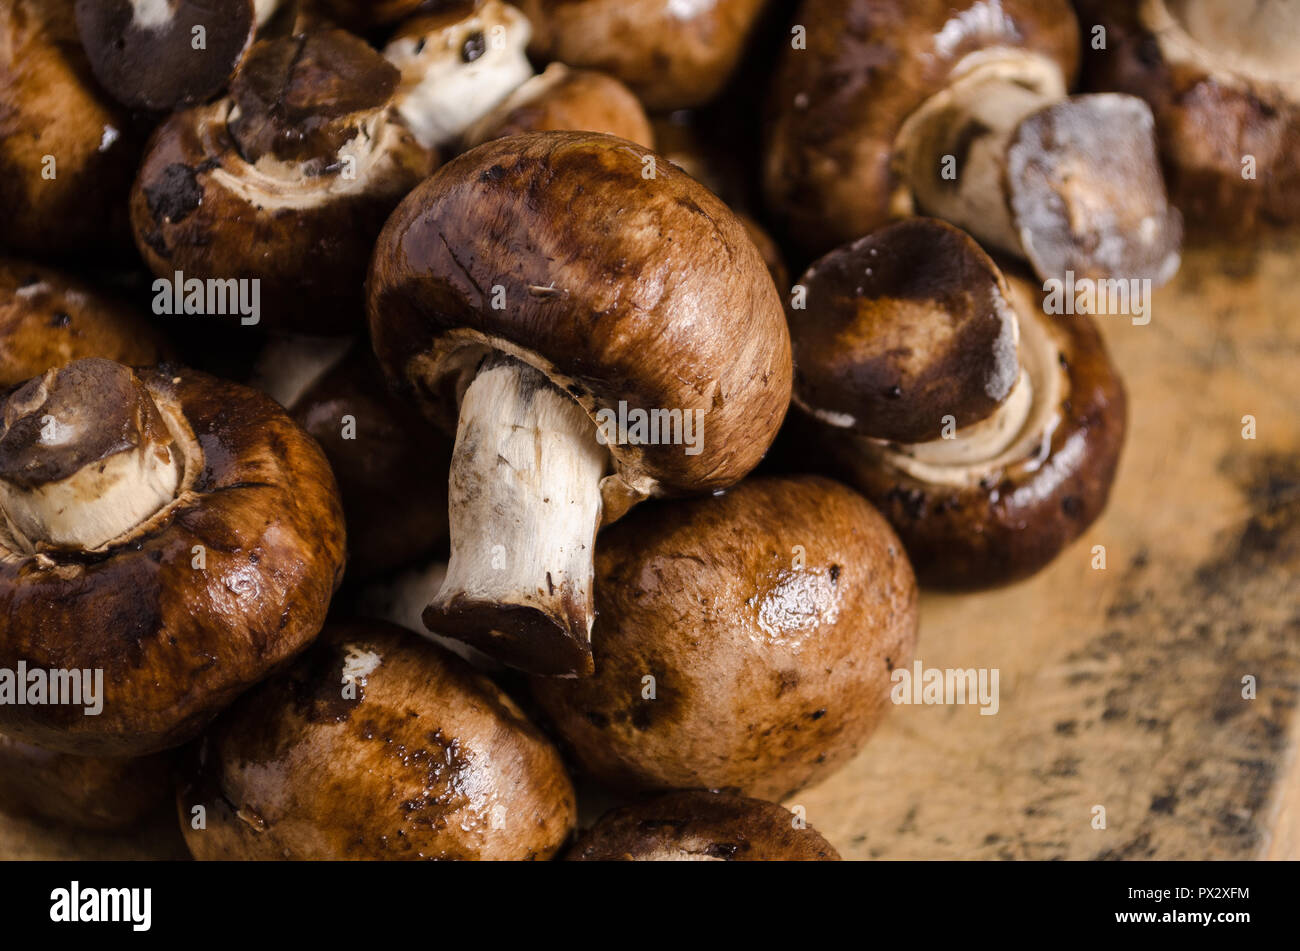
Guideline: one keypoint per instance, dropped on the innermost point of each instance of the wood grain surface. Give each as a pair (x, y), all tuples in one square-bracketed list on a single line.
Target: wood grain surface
[(1119, 688)]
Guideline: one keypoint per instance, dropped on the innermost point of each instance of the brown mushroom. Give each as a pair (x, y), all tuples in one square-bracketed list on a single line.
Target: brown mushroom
[(701, 826), (49, 318), (160, 54), (960, 110), (562, 99), (172, 534), (376, 745), (391, 465), (1223, 82), (987, 432), (88, 792), (743, 641), (67, 153), (286, 181), (673, 54), (550, 289)]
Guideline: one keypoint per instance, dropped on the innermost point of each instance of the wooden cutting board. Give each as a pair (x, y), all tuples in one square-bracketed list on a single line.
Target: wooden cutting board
[(1119, 688)]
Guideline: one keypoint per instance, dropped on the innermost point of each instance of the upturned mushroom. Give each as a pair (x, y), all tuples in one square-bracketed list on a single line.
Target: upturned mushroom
[(159, 54), (594, 335), (1223, 80), (673, 55), (49, 318), (376, 745), (286, 181), (987, 432), (67, 153), (701, 826), (961, 110), (87, 792), (743, 641), (168, 535)]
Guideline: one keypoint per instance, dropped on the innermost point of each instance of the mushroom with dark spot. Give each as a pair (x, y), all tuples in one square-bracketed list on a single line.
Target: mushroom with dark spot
[(287, 180), (376, 745)]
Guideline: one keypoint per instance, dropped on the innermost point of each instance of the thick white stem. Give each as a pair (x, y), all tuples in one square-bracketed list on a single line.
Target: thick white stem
[(524, 509), (957, 147)]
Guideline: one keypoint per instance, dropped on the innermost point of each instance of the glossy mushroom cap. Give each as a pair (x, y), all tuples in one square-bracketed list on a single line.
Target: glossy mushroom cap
[(673, 55), (142, 51), (287, 180), (177, 532), (770, 619), (563, 99), (902, 329), (67, 153), (377, 745), (701, 826), (689, 323), (49, 319), (532, 294), (1223, 82), (88, 792), (391, 465)]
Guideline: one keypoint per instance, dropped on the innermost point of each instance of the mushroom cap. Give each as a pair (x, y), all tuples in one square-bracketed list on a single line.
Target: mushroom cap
[(391, 471), (619, 287), (259, 184), (142, 53), (902, 328), (770, 618), (49, 318), (837, 107), (89, 792), (178, 642), (422, 759), (697, 825), (1208, 117), (1007, 527), (54, 112), (673, 55), (560, 99)]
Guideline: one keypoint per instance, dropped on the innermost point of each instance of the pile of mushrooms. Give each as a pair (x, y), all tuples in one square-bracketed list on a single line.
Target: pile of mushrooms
[(513, 371)]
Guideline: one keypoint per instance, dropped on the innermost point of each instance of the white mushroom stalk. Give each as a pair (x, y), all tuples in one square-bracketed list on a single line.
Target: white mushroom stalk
[(86, 456), (525, 505), (458, 72), (1238, 44)]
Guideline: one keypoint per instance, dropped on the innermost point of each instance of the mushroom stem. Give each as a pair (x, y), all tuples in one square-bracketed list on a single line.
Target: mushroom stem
[(525, 505), (85, 456), (956, 146)]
